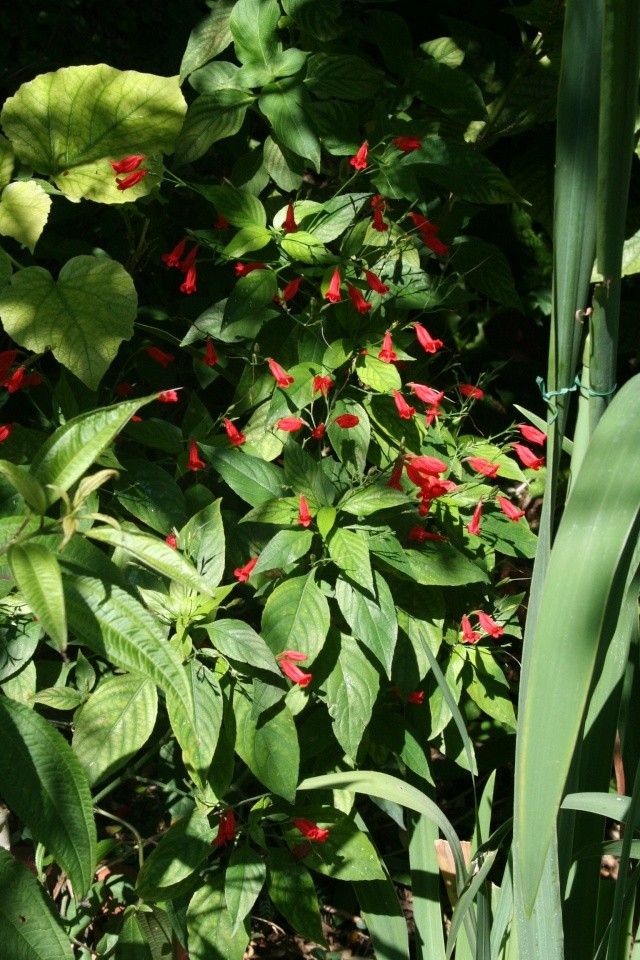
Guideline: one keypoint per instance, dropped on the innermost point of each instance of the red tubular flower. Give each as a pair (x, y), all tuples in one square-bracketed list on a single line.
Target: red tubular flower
[(318, 432), (322, 385), (435, 536), (434, 244), (474, 526), (128, 165), (294, 673), (290, 424), (5, 432), (135, 419), (375, 283), (417, 533), (468, 390), (468, 634), (242, 574), (396, 477), (131, 180), (190, 259), (16, 381), (425, 339), (526, 456), (171, 541), (189, 284), (347, 420), (304, 517), (378, 222), (195, 463), (387, 354), (485, 467), (509, 509), (532, 434), (235, 437), (164, 359), (416, 697), (407, 144), (210, 356), (311, 830), (333, 293), (433, 412), (359, 162), (421, 222), (378, 201), (488, 625), (168, 396), (294, 655), (291, 289), (403, 408), (359, 302), (220, 223), (419, 468), (289, 224), (226, 829), (123, 389), (243, 269), (427, 394), (173, 259), (281, 377)]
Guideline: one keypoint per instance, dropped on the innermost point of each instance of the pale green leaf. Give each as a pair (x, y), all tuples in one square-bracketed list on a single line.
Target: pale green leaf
[(24, 211), (7, 160), (364, 501), (284, 549), (296, 617), (269, 746), (335, 216), (38, 576), (351, 444), (202, 537), (244, 878), (282, 166), (489, 688), (247, 240), (117, 719), (351, 691), (378, 375), (181, 851), (132, 941), (240, 642), (207, 719), (346, 854), (58, 698), (50, 795), (253, 25), (349, 550), (252, 479), (306, 475), (306, 248), (208, 38), (30, 928), (210, 926), (371, 616), (441, 565), (82, 318)]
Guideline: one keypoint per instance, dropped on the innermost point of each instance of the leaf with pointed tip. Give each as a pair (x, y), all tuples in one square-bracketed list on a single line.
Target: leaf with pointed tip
[(210, 927), (37, 573), (372, 618), (296, 617), (29, 926), (269, 747), (243, 881)]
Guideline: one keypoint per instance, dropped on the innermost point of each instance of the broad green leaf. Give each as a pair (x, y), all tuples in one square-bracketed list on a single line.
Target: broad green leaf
[(210, 926), (181, 851), (253, 25), (153, 553), (336, 215), (30, 928), (213, 76), (7, 160), (351, 444), (250, 293), (24, 211), (488, 687), (451, 91), (83, 317), (296, 617), (252, 479), (325, 519), (202, 537), (441, 565), (364, 501), (320, 22), (283, 166), (371, 618), (71, 123), (38, 576), (207, 720), (243, 880), (284, 549), (72, 448), (18, 641), (269, 747), (346, 854), (50, 795), (378, 375), (147, 492), (306, 248), (211, 117), (117, 719), (349, 550), (343, 77), (444, 50), (58, 698), (283, 512), (460, 168), (305, 475), (247, 240), (351, 691), (291, 888), (132, 941), (208, 38), (240, 642), (239, 207), (283, 103), (485, 268)]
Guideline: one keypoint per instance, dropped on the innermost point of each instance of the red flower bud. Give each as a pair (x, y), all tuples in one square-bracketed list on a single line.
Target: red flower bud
[(128, 165), (242, 574), (131, 180), (359, 162)]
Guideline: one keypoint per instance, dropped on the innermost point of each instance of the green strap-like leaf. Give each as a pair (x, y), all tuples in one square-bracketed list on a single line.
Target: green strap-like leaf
[(29, 926), (43, 783), (38, 576)]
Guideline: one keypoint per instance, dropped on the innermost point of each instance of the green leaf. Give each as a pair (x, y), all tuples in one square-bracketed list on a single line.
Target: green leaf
[(247, 240), (18, 641), (132, 941), (147, 492), (72, 448), (351, 691), (30, 928), (296, 617), (51, 795), (207, 719), (202, 537), (306, 248), (243, 880), (459, 167), (213, 76), (291, 888), (451, 91), (211, 117), (346, 854), (253, 25), (268, 745), (305, 475), (240, 642), (284, 549), (283, 512), (320, 22), (7, 160), (284, 105), (83, 317), (24, 211), (208, 38), (351, 444), (71, 123), (38, 576), (58, 698), (485, 268), (282, 165), (155, 554), (250, 293), (239, 207), (364, 501), (378, 375), (254, 480), (117, 719), (349, 550), (488, 687), (336, 215), (210, 927), (27, 486), (182, 850), (371, 618), (441, 565), (342, 77)]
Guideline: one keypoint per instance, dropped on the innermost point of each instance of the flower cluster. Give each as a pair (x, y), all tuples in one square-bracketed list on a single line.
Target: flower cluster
[(486, 624), (131, 166), (288, 662), (186, 264)]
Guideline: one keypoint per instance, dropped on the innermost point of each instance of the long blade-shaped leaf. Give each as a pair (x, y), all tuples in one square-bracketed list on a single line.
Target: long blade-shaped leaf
[(29, 926)]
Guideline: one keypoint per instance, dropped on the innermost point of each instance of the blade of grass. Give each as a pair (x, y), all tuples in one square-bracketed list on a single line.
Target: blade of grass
[(382, 913), (425, 888)]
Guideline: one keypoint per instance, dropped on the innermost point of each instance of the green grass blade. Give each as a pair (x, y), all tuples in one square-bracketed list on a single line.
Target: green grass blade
[(618, 947), (580, 601), (382, 913), (425, 887)]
